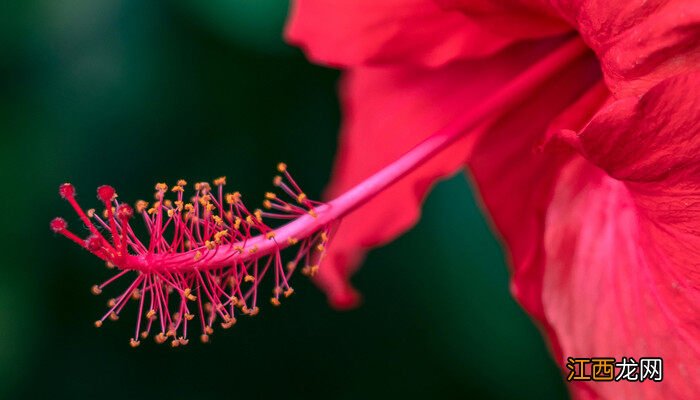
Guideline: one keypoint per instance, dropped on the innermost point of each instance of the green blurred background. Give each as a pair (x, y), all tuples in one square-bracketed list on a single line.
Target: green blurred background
[(128, 93)]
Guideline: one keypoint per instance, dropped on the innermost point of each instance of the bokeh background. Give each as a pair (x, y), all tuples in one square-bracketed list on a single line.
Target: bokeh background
[(127, 93)]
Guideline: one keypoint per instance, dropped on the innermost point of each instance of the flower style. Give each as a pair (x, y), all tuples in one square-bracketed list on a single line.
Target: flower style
[(591, 179)]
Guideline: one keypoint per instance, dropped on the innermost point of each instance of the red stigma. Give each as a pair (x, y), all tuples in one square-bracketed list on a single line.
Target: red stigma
[(66, 190), (105, 193), (58, 224), (93, 243), (124, 211)]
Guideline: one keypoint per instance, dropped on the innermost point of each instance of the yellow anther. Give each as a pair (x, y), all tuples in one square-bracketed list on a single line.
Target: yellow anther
[(113, 316), (144, 334), (258, 215), (168, 203), (301, 197), (277, 180), (151, 211), (310, 270), (267, 204), (208, 330), (249, 278), (210, 245), (254, 311), (234, 300), (175, 343), (203, 186), (183, 341), (160, 338), (134, 343), (111, 303), (320, 247), (161, 187), (233, 198), (281, 167), (95, 290), (313, 213), (220, 235), (210, 207), (141, 205), (274, 301), (188, 294), (98, 323), (204, 338), (270, 235), (253, 249), (217, 220), (136, 294), (324, 237), (91, 212), (150, 314), (188, 316), (170, 332), (181, 182), (291, 266), (288, 292), (179, 204), (292, 241), (197, 255), (109, 265), (204, 200), (249, 220), (189, 207), (220, 181), (229, 322), (177, 188), (238, 248), (270, 196), (171, 212), (237, 223)]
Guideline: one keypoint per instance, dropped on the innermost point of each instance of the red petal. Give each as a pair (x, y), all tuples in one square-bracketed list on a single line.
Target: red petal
[(619, 284), (648, 139), (417, 32), (639, 43), (388, 111), (621, 274)]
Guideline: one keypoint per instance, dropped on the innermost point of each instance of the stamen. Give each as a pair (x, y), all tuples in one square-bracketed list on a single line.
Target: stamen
[(176, 269)]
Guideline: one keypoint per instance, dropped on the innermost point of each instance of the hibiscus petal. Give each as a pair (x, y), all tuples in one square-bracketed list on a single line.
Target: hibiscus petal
[(387, 112), (416, 32), (648, 139), (639, 43), (622, 274), (614, 285)]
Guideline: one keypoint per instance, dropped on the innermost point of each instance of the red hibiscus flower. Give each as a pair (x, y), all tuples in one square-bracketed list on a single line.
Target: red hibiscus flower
[(591, 181)]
